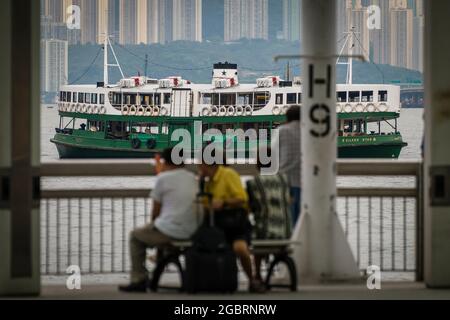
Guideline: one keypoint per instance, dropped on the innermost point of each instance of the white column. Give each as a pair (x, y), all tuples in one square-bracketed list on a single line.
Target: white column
[(19, 148), (437, 150), (324, 253)]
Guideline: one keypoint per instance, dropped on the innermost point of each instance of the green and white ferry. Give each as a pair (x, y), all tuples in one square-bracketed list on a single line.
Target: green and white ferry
[(136, 117)]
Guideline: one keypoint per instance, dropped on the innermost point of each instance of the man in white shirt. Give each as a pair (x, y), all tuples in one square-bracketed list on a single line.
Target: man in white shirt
[(173, 217)]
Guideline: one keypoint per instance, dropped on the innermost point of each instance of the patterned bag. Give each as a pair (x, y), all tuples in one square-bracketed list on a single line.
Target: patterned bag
[(270, 203)]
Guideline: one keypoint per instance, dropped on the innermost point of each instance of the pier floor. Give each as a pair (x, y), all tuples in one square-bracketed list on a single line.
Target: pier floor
[(391, 290)]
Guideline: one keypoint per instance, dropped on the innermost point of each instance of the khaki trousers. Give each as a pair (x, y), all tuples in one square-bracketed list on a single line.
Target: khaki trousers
[(141, 239)]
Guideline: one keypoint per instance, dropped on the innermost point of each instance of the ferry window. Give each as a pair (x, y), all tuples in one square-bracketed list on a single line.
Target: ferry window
[(291, 98), (94, 98), (353, 96), (157, 98), (129, 98), (367, 96), (279, 98), (145, 99), (117, 98), (69, 97), (382, 96), (102, 98), (87, 98), (63, 96), (299, 99), (80, 97), (166, 98), (206, 98), (245, 98), (215, 99), (341, 96), (74, 97), (261, 99), (227, 99)]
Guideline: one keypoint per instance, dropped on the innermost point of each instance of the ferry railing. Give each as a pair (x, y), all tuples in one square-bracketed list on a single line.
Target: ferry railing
[(90, 228)]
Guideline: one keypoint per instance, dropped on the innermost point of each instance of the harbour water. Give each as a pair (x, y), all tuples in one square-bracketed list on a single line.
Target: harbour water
[(376, 215)]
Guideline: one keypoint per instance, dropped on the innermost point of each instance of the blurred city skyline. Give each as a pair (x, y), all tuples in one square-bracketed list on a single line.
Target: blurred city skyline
[(394, 39)]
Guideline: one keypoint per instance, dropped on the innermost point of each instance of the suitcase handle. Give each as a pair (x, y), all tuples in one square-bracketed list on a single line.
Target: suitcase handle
[(209, 197)]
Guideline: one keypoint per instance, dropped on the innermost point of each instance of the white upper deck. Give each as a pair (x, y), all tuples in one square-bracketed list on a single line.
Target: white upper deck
[(224, 96)]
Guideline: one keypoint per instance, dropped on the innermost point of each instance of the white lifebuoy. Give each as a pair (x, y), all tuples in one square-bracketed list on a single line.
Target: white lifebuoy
[(239, 110), (284, 109), (95, 109), (163, 111), (133, 110), (382, 107), (348, 108), (73, 108), (338, 108), (84, 108), (370, 107), (140, 111), (80, 108), (148, 111), (276, 110), (89, 108), (206, 111), (125, 110), (231, 111), (102, 110), (359, 108), (248, 110), (222, 110), (214, 110), (156, 111)]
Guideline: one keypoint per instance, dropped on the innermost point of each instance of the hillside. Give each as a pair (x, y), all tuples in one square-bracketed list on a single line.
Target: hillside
[(194, 61)]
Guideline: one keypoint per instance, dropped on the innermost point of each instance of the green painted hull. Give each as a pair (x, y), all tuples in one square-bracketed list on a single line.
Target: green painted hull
[(86, 144), (76, 151), (71, 151)]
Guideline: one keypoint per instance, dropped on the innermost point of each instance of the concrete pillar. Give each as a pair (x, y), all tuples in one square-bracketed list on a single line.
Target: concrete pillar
[(19, 148), (324, 253), (437, 149)]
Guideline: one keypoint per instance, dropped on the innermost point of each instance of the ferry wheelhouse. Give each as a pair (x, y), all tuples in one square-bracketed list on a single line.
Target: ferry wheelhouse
[(136, 117)]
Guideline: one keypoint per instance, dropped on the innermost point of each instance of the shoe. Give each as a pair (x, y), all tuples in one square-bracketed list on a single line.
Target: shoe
[(257, 286), (134, 287)]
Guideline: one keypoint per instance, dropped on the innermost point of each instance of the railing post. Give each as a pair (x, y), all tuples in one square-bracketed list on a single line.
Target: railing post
[(419, 223)]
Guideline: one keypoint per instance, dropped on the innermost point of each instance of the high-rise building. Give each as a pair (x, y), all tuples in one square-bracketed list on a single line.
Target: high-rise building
[(54, 64), (128, 22), (89, 15), (291, 20), (418, 43), (380, 39), (108, 20), (187, 20), (343, 11), (359, 16), (246, 19), (159, 21), (401, 35)]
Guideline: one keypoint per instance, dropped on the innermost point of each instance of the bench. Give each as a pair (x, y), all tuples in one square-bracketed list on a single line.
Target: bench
[(280, 249)]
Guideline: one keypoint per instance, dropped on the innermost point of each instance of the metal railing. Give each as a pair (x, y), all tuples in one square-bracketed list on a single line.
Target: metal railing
[(90, 228)]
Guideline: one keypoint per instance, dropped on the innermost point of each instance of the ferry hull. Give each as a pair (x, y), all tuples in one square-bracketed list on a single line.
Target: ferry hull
[(379, 151), (70, 151)]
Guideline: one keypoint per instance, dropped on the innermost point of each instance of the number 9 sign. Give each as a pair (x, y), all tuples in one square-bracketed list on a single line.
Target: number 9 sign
[(320, 115)]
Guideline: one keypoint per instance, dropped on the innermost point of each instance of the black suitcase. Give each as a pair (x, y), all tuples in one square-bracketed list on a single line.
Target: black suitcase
[(210, 262)]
